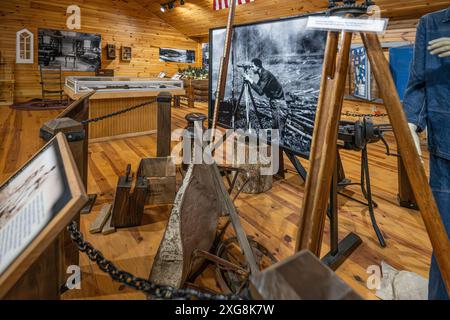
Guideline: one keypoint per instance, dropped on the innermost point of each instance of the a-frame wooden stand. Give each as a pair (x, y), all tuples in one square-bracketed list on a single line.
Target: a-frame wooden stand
[(323, 150), (202, 198), (229, 207)]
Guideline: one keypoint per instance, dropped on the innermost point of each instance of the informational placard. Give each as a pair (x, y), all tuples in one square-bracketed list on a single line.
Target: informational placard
[(347, 24), (29, 201)]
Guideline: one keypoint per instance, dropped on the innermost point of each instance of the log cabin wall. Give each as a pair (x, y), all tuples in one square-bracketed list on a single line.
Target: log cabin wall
[(119, 22)]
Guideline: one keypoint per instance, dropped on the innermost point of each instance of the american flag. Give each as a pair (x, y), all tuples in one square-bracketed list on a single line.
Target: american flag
[(223, 4)]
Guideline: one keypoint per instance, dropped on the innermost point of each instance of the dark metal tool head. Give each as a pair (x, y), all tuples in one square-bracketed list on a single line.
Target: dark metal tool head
[(351, 7)]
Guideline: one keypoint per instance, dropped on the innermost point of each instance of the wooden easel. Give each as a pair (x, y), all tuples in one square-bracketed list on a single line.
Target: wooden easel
[(323, 150)]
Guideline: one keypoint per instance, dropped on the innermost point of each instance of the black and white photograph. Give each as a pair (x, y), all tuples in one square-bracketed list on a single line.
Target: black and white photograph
[(273, 79), (205, 56), (176, 55), (73, 51)]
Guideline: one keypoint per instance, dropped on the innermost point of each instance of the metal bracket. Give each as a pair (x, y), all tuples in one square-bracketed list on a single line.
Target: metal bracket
[(70, 136)]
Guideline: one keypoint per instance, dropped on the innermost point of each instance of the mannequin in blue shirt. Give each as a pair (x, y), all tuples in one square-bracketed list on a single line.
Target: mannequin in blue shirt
[(427, 105)]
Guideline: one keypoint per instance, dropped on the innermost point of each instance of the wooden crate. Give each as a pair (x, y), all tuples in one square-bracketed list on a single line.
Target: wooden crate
[(160, 174)]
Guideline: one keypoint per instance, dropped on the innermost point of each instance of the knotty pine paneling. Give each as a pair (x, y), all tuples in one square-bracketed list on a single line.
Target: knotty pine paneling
[(120, 22), (138, 121), (196, 17), (398, 31)]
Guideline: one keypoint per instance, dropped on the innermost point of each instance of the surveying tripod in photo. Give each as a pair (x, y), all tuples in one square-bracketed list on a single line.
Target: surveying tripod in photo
[(246, 93)]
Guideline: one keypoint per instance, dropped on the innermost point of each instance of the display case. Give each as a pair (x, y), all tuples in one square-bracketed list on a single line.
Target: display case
[(120, 84)]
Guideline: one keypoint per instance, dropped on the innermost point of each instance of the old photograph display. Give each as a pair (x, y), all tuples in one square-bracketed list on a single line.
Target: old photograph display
[(205, 56), (273, 79), (29, 201), (73, 51), (176, 55)]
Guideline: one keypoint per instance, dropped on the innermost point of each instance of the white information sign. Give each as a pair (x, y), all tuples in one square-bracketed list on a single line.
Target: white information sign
[(347, 24)]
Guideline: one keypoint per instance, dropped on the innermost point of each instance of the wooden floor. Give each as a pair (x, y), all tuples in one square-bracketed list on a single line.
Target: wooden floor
[(271, 217)]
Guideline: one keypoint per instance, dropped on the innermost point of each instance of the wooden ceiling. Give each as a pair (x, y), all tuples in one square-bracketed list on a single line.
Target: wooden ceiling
[(196, 17)]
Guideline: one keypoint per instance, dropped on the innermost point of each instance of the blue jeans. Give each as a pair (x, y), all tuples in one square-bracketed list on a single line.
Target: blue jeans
[(440, 185)]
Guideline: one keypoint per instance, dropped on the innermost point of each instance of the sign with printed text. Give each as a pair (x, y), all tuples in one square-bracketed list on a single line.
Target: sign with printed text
[(347, 24)]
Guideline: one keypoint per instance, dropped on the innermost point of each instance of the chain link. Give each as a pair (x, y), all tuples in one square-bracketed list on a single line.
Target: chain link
[(113, 114), (195, 99), (151, 289), (348, 114), (363, 115), (110, 115)]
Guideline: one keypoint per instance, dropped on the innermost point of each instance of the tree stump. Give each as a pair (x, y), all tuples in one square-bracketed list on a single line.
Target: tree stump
[(257, 181)]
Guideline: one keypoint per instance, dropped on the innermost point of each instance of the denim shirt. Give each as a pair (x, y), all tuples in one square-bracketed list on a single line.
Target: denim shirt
[(427, 98)]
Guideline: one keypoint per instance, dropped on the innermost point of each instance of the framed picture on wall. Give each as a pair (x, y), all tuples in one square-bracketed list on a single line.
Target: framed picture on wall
[(205, 56), (126, 53), (176, 55), (111, 51), (73, 51)]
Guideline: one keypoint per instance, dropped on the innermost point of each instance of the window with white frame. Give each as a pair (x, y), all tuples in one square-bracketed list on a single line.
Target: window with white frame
[(24, 46)]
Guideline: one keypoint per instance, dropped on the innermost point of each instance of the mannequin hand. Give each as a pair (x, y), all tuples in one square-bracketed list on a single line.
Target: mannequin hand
[(413, 129), (247, 78), (440, 47)]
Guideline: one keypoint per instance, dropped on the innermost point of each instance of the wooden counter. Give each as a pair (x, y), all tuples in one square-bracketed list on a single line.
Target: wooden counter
[(137, 122)]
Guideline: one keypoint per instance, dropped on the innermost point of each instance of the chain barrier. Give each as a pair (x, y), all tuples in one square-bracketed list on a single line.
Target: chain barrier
[(149, 288), (363, 115), (116, 113), (195, 99), (348, 114)]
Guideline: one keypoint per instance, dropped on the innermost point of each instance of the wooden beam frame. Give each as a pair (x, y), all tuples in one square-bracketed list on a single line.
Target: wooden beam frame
[(323, 150)]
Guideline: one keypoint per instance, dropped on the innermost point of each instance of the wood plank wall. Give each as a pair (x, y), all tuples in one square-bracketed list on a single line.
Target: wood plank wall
[(121, 22), (196, 17), (398, 31)]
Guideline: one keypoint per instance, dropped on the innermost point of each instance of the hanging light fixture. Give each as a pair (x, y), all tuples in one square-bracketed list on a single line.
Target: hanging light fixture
[(170, 5)]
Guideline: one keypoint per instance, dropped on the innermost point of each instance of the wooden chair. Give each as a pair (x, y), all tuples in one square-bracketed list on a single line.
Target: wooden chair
[(51, 83)]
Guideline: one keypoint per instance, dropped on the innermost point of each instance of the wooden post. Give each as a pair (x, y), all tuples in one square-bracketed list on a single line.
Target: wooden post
[(164, 124), (77, 139), (137, 202), (121, 200), (410, 156), (190, 94), (39, 280), (79, 111), (324, 144), (223, 68)]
